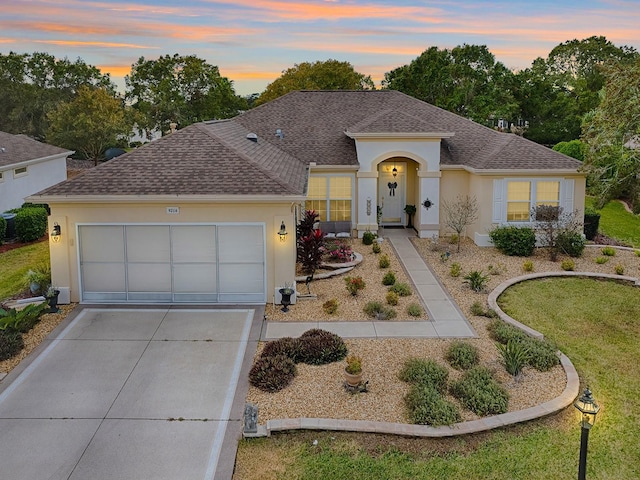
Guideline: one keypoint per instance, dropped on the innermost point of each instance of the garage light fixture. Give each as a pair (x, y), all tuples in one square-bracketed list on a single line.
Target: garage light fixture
[(283, 232), (55, 232)]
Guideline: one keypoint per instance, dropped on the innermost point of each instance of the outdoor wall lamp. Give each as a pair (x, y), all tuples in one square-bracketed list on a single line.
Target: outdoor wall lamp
[(282, 233), (55, 232), (588, 409)]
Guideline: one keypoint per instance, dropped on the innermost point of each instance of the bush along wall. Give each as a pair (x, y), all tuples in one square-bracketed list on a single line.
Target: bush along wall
[(31, 223), (591, 223)]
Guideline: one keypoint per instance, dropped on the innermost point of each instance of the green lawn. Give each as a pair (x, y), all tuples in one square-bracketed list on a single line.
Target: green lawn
[(617, 223), (596, 324), (15, 263)]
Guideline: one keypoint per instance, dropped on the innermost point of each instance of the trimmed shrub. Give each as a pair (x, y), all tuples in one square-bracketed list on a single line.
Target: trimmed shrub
[(426, 406), (31, 223), (319, 347), (354, 284), (455, 269), (287, 346), (330, 306), (479, 392), (609, 251), (3, 229), (476, 280), (513, 240), (272, 374), (477, 309), (368, 237), (527, 266), (389, 278), (392, 298), (401, 288), (514, 356), (619, 269), (568, 265), (503, 332), (11, 343), (541, 354), (425, 372), (414, 310), (375, 248), (379, 311), (602, 260), (591, 223), (384, 261), (462, 355), (571, 243)]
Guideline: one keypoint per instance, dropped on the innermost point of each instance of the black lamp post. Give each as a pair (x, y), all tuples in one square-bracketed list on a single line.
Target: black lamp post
[(588, 409)]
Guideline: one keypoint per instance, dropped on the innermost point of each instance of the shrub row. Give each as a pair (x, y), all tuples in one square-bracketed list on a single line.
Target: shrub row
[(479, 392), (541, 354), (276, 366), (462, 355), (425, 402), (13, 323)]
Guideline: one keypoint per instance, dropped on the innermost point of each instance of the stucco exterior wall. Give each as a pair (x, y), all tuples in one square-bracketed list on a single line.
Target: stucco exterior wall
[(280, 256), (39, 175)]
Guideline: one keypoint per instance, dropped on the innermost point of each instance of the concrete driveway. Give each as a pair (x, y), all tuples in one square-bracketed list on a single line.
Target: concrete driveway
[(135, 393)]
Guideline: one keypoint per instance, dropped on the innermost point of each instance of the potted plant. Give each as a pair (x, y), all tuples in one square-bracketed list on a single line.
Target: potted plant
[(410, 210), (37, 279), (353, 370), (52, 299), (286, 293)]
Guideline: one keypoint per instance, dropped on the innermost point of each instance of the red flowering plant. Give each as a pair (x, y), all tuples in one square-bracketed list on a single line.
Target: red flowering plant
[(339, 252), (354, 284)]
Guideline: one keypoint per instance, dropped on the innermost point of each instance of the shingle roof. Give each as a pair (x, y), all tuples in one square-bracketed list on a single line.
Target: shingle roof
[(217, 158), (201, 159), (15, 149), (314, 122)]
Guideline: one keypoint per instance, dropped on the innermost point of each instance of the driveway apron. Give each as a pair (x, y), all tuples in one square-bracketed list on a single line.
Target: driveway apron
[(135, 393)]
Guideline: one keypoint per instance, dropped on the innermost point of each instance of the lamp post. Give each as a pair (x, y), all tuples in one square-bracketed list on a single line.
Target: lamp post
[(588, 409)]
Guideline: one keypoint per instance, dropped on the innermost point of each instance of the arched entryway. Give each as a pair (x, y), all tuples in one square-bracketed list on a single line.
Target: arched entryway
[(397, 188)]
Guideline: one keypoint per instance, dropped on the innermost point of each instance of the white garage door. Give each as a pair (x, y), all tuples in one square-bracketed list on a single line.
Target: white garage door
[(172, 263)]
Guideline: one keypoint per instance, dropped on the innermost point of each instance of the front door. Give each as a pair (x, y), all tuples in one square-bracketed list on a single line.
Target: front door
[(392, 193)]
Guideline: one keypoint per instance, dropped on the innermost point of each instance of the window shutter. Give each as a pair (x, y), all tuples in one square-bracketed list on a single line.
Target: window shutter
[(498, 215), (566, 189)]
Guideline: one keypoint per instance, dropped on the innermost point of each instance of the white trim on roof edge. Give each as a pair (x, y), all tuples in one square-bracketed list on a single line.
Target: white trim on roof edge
[(33, 161), (399, 135), (514, 171)]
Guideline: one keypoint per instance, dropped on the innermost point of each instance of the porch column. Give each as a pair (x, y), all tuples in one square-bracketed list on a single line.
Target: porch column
[(428, 221), (367, 190)]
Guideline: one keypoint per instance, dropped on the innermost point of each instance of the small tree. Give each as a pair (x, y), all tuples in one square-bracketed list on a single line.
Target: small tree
[(460, 214), (310, 251), (551, 222)]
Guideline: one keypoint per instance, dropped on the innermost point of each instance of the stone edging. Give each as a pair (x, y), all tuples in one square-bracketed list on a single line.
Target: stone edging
[(566, 398), (339, 269)]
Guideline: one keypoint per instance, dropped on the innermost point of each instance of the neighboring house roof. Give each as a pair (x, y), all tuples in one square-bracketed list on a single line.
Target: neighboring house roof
[(17, 149), (291, 132)]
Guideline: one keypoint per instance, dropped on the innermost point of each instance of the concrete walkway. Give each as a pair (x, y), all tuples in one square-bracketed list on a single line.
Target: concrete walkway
[(445, 318)]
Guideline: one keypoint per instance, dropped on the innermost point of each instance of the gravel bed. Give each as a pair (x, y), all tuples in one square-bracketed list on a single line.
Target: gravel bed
[(317, 391), (350, 307)]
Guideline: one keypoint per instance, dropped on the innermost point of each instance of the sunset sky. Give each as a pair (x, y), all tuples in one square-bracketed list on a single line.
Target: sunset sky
[(253, 41)]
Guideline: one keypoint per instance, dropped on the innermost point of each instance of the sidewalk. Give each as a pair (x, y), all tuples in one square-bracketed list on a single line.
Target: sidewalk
[(445, 318)]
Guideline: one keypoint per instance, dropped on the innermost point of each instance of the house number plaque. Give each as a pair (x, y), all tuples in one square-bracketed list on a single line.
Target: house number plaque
[(173, 210)]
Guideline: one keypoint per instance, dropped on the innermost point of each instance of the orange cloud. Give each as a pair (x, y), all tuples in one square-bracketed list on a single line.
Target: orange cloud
[(78, 43), (119, 71)]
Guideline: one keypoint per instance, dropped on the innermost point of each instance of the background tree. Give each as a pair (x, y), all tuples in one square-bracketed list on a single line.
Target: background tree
[(32, 85), (556, 92), (460, 214), (612, 136), (328, 75), (466, 80), (181, 89), (90, 123), (574, 149)]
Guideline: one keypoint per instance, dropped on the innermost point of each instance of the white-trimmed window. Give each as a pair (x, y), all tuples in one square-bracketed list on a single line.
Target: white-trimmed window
[(331, 196), (20, 171), (513, 199)]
